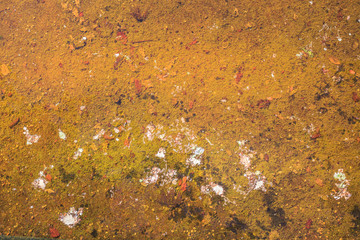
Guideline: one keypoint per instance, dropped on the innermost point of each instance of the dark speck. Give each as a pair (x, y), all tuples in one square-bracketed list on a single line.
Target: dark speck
[(94, 233), (118, 102)]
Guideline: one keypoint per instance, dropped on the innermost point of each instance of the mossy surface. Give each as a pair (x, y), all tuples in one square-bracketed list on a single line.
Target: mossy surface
[(281, 76)]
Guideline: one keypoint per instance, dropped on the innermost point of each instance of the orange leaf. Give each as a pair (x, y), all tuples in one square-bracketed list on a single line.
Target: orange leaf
[(319, 182), (49, 190), (138, 86), (4, 70), (127, 141), (191, 104), (182, 184), (334, 60), (48, 177), (108, 137)]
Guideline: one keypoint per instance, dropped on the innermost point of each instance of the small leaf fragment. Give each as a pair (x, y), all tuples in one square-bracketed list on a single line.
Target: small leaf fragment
[(334, 60), (4, 70)]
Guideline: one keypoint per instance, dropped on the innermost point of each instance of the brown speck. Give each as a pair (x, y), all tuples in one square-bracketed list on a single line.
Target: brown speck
[(355, 97), (13, 123)]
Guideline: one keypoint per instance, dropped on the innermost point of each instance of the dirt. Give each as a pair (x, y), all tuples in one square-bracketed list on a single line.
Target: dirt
[(264, 94)]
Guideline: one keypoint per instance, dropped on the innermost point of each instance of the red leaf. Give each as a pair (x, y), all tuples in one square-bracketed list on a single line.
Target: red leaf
[(127, 142), (191, 104), (121, 36), (355, 97), (308, 223), (239, 75), (192, 43), (54, 233), (182, 184), (263, 103), (317, 134), (138, 86)]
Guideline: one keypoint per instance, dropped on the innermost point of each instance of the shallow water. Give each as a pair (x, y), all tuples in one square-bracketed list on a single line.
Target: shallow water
[(180, 119)]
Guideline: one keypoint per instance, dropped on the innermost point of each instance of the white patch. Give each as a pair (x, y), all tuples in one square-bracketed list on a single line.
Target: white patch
[(99, 135), (78, 153), (30, 139), (342, 186), (161, 153), (245, 160), (39, 183), (71, 218), (216, 188), (62, 135), (219, 190), (195, 158), (167, 177), (152, 177)]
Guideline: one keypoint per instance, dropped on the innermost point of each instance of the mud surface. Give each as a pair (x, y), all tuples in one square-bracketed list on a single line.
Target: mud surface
[(180, 119)]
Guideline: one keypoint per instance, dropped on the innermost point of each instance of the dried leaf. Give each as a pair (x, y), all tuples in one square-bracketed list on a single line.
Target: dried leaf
[(316, 134), (319, 182), (355, 97), (308, 224), (53, 232), (75, 12), (107, 136), (334, 60), (182, 184), (355, 44), (191, 104), (147, 83), (4, 70), (228, 152), (138, 86), (48, 177), (206, 220), (93, 147), (13, 123), (49, 190)]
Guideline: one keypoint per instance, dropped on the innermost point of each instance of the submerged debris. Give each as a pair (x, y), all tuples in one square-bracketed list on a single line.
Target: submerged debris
[(161, 153), (41, 181), (72, 217), (180, 137), (245, 160), (138, 14), (256, 181), (156, 174), (99, 134), (213, 187), (78, 153), (245, 154), (62, 135), (342, 186), (30, 139), (152, 177), (195, 158)]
